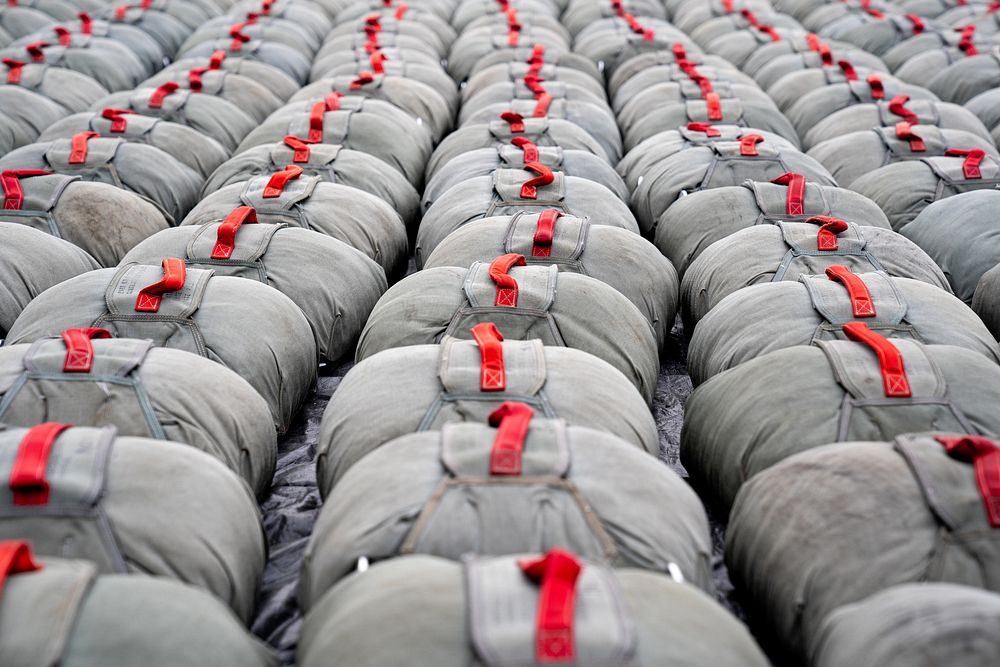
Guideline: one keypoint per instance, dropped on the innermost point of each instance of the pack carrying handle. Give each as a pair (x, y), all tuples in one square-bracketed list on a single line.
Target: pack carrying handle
[(795, 199), (973, 158), (78, 146), (279, 179), (225, 240), (37, 51), (557, 573), (161, 93), (364, 78), (707, 129), (27, 476), (848, 69), (876, 86), (117, 117), (985, 456), (174, 276), (515, 120), (904, 132), (331, 102), (506, 284), (15, 67), (512, 421), (529, 190), (890, 359), (15, 558), (79, 350), (541, 242), (897, 107), (829, 228), (748, 144), (301, 151), (195, 79), (13, 193), (492, 372), (528, 148), (857, 291)]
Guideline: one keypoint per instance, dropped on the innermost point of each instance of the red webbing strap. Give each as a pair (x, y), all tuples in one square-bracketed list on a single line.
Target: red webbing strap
[(36, 51), (973, 157), (813, 41), (618, 7), (78, 146), (377, 60), (918, 23), (829, 227), (14, 71), (557, 572), (161, 93), (251, 18), (750, 17), (861, 299), (65, 36), (117, 117), (10, 179), (401, 11), (512, 421), (727, 6), (528, 148), (795, 199), (514, 119), (904, 132), (542, 107), (279, 180), (492, 372), (506, 285), (86, 23), (706, 128), (15, 556), (648, 34), (770, 32), (748, 144), (545, 229), (174, 275), (537, 57), (215, 60), (330, 103), (890, 360), (300, 148), (875, 84), (714, 104), (225, 240), (27, 477), (121, 11), (985, 456), (965, 43), (848, 69), (533, 82), (239, 37), (897, 107), (265, 7), (678, 50), (529, 190), (866, 6), (826, 55), (513, 27), (79, 351), (364, 78), (195, 82)]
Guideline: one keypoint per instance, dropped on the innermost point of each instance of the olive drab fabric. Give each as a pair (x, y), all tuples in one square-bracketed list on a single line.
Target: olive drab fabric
[(113, 501), (911, 508), (481, 612), (61, 612), (192, 310)]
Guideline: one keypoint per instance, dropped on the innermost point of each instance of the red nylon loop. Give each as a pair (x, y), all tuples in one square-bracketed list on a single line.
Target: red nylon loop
[(86, 23), (65, 36), (377, 61), (714, 105), (794, 201), (265, 7), (750, 17), (533, 82), (557, 572), (748, 144), (195, 82), (861, 299), (27, 477), (875, 84), (813, 41), (79, 351), (252, 18), (866, 6), (279, 180), (78, 145), (364, 77), (529, 190), (174, 275), (985, 456), (15, 558), (36, 51), (704, 127), (215, 61), (506, 285), (330, 103), (117, 117), (225, 239), (161, 93), (239, 37), (301, 149), (529, 149), (918, 23), (890, 360), (542, 108), (770, 32), (401, 11), (492, 372), (512, 421), (897, 107), (826, 55), (826, 238), (13, 195), (848, 69), (537, 57), (965, 44), (727, 6), (14, 71), (514, 119), (904, 132), (121, 11), (618, 7), (545, 230), (678, 50), (973, 158)]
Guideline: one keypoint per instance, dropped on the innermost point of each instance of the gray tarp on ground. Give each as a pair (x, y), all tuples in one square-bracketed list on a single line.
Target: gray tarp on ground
[(65, 614), (786, 250), (909, 511), (422, 387), (115, 501), (986, 300), (432, 493), (421, 611), (101, 219), (698, 220), (208, 316), (144, 392), (72, 90), (815, 307), (30, 263)]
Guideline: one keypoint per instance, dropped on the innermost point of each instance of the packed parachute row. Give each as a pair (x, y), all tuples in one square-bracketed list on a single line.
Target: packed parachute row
[(490, 229)]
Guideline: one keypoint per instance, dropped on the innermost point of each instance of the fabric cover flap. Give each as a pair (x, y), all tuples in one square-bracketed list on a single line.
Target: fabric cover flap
[(113, 357), (129, 280), (536, 286), (856, 368), (524, 361), (251, 241), (466, 448), (550, 156), (950, 169), (42, 192), (136, 125), (569, 237), (171, 103), (533, 128), (772, 200), (100, 152), (801, 237), (732, 111), (832, 301), (320, 155), (295, 191)]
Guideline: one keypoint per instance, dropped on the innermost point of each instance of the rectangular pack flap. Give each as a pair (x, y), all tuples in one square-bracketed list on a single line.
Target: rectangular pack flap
[(857, 369), (833, 301), (509, 183), (524, 364), (466, 449), (250, 245), (129, 280), (293, 192), (536, 286), (113, 357), (802, 238), (569, 237)]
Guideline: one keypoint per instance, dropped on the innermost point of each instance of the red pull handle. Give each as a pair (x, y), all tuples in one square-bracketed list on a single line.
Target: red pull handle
[(973, 158), (401, 11), (897, 106), (794, 201), (542, 107), (117, 117), (492, 372), (826, 238), (37, 51), (861, 299), (86, 23), (174, 275), (813, 41), (15, 558), (714, 106), (678, 50), (875, 84), (79, 350), (506, 285), (161, 93), (748, 144), (965, 43), (557, 572), (770, 32), (528, 147), (890, 360), (825, 55), (918, 23), (985, 455), (512, 420), (121, 11), (541, 244), (195, 82), (515, 120), (215, 60), (65, 36), (276, 185), (904, 132), (78, 146), (27, 477), (706, 128), (225, 240), (529, 190), (848, 69), (533, 82), (377, 60), (750, 17), (301, 149), (363, 79), (13, 194), (537, 57), (15, 67)]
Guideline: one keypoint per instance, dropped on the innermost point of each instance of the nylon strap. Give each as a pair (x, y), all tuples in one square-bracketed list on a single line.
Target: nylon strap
[(79, 350), (861, 299), (492, 372), (512, 421), (890, 359), (174, 275), (27, 476)]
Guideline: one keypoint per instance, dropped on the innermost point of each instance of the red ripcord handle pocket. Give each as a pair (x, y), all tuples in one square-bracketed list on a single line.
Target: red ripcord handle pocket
[(14, 70), (748, 145), (829, 227), (117, 117), (27, 476), (857, 291), (492, 372), (13, 194), (795, 199), (904, 132), (279, 179), (377, 60), (506, 285), (529, 190), (225, 239), (79, 350), (528, 148), (512, 421), (557, 573), (973, 158), (890, 360), (15, 558), (300, 148), (161, 93), (545, 229), (78, 146), (706, 128), (174, 275), (897, 107), (985, 456)]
